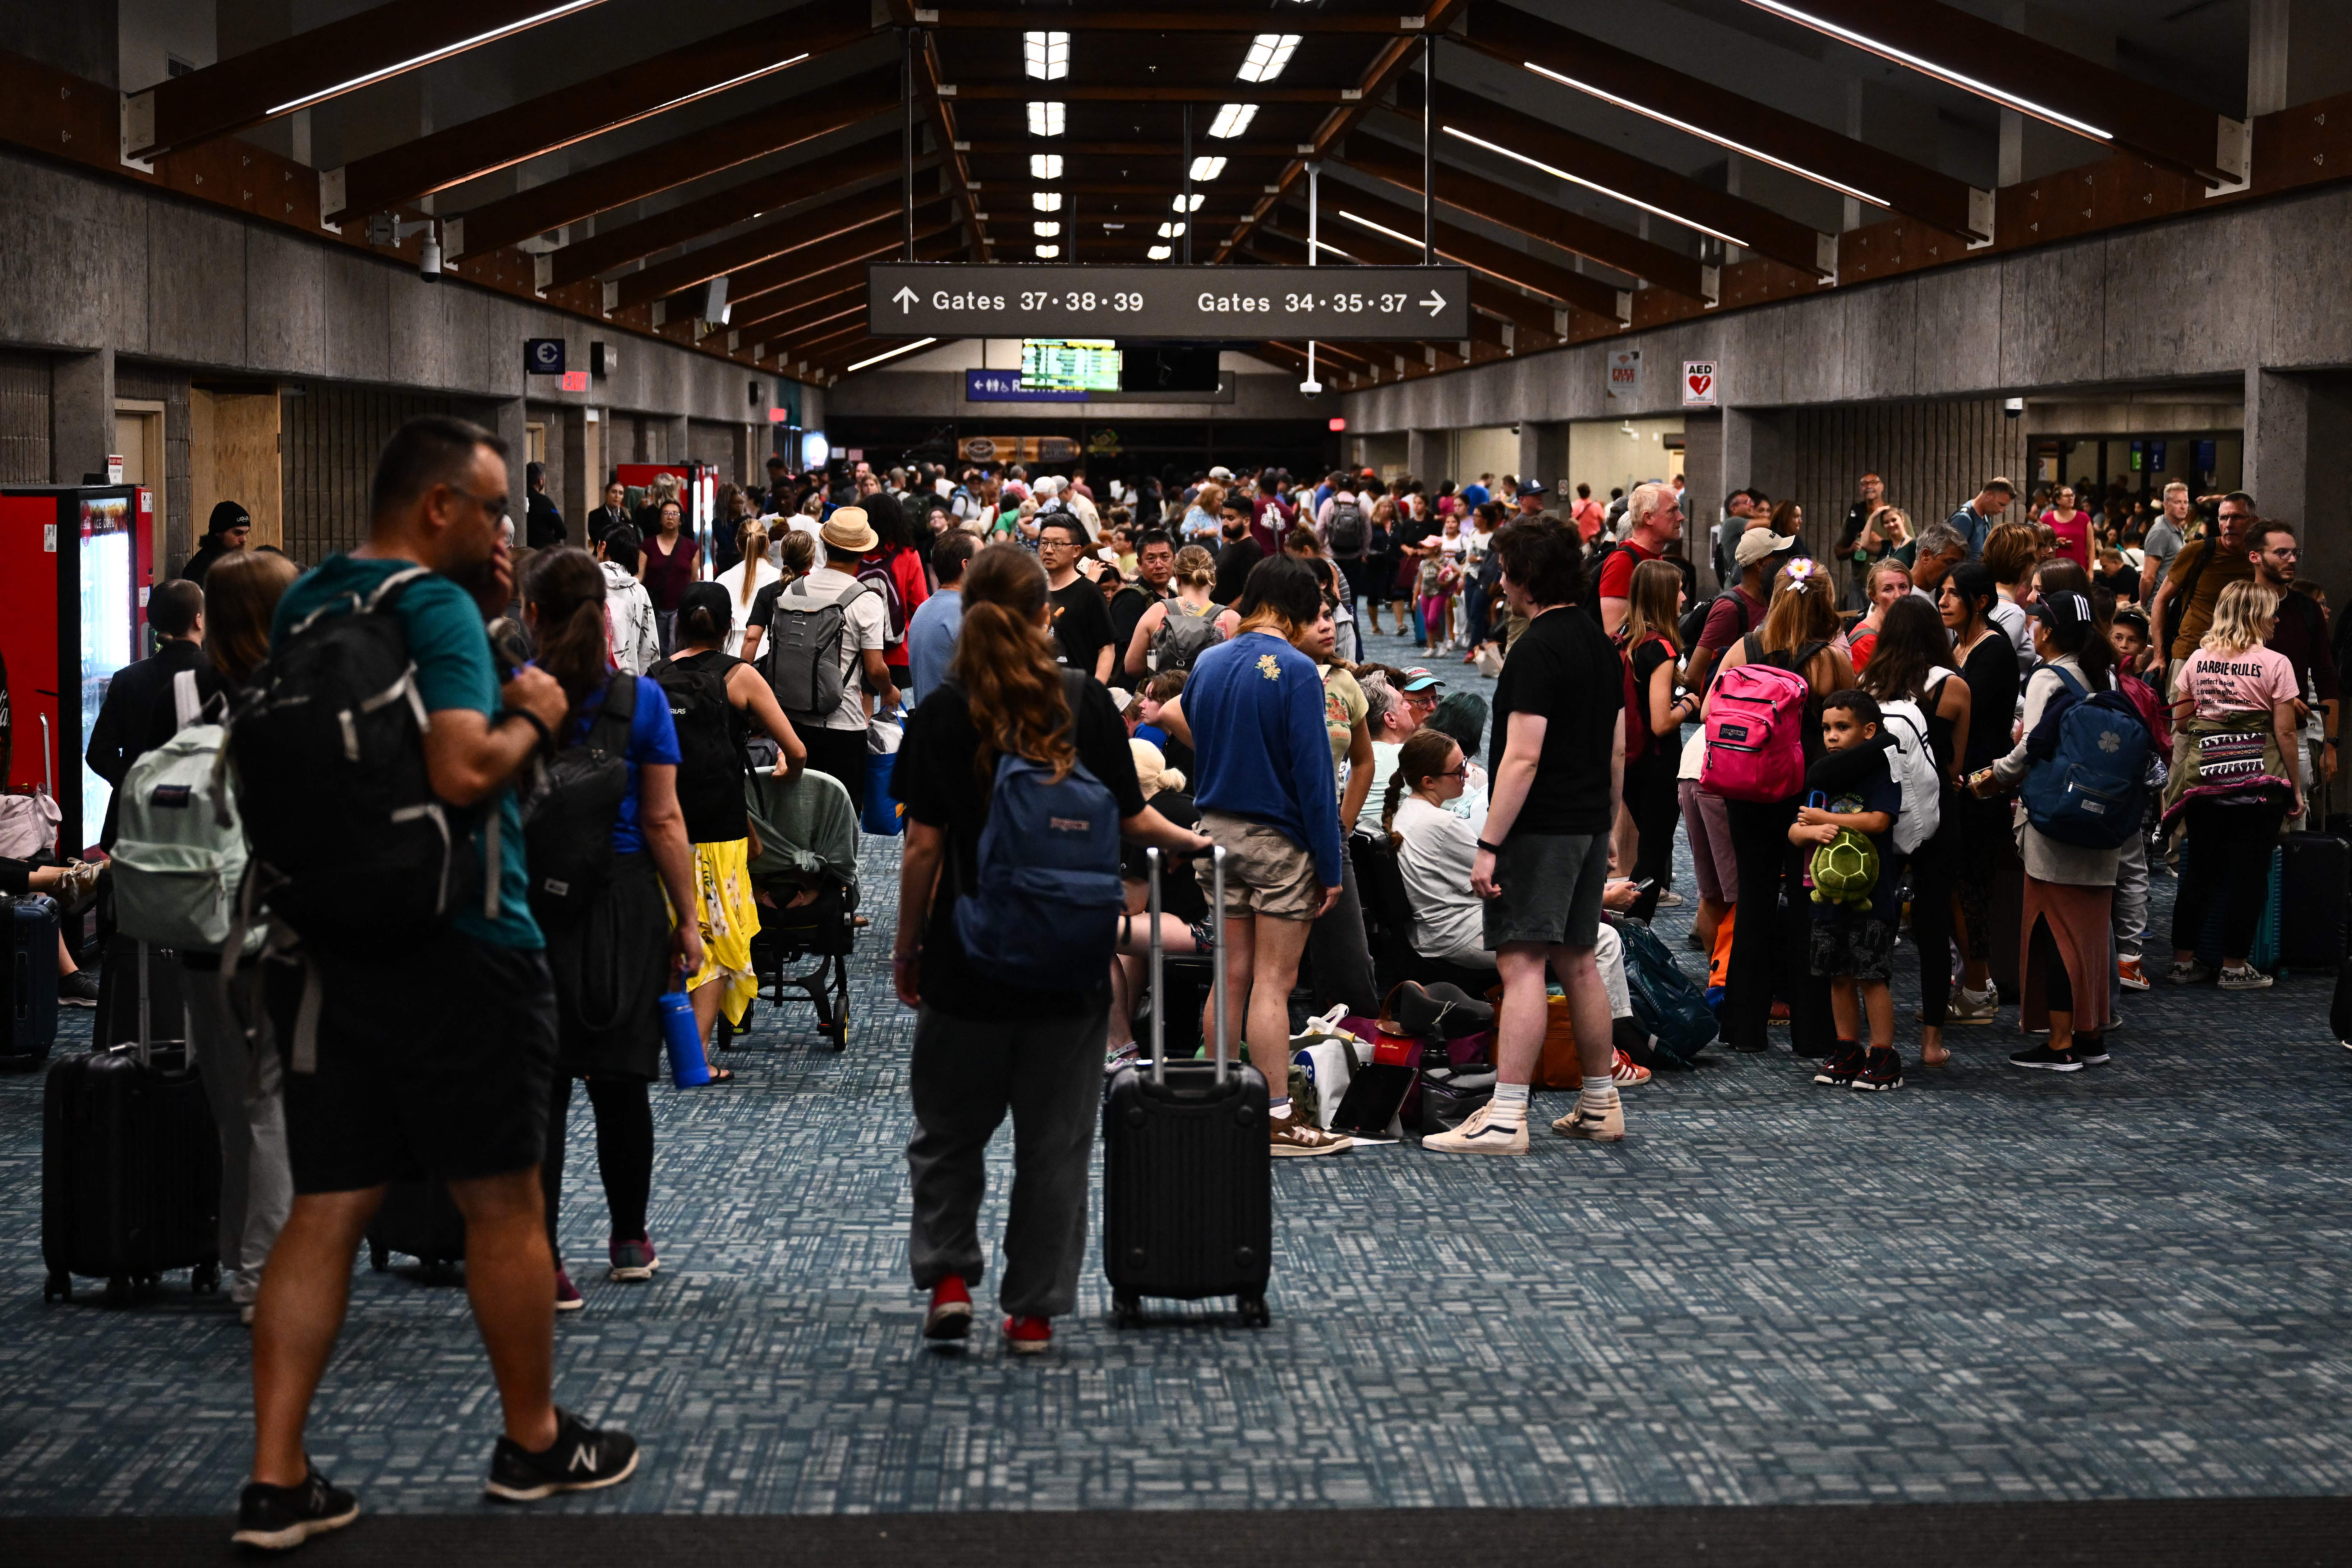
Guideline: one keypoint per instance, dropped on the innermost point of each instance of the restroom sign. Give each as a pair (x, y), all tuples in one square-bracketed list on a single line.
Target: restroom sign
[(1626, 373), (1699, 384)]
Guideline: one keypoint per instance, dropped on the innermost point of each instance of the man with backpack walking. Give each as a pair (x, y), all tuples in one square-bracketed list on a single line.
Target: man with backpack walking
[(420, 1019), (818, 640)]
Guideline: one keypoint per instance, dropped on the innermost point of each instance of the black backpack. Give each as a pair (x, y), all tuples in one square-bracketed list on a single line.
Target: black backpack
[(1346, 532), (352, 849), (709, 747), (1694, 620), (1592, 580), (567, 822)]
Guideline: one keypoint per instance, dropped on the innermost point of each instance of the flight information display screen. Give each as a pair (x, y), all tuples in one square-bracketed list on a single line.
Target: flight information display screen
[(1070, 365)]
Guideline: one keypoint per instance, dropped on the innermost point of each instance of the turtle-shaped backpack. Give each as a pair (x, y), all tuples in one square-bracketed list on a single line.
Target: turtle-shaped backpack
[(1845, 869)]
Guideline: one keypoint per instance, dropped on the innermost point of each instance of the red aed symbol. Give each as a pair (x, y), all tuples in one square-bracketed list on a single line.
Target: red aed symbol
[(1700, 381)]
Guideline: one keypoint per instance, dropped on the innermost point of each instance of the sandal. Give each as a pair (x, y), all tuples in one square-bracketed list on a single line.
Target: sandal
[(723, 1075)]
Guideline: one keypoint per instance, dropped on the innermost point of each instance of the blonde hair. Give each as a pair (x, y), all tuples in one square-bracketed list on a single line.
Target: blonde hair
[(2011, 551), (796, 553), (1870, 578), (1804, 608), (1152, 769), (2242, 617), (1654, 590), (752, 545), (1196, 567), (1210, 496)]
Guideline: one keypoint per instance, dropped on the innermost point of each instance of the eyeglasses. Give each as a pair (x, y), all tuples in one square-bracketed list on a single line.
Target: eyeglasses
[(1461, 773), (493, 506)]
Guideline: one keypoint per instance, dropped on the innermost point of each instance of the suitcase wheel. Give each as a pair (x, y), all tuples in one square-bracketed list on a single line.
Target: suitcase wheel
[(840, 1030), (57, 1288), (1253, 1311), (204, 1279), (379, 1256), (1126, 1312)]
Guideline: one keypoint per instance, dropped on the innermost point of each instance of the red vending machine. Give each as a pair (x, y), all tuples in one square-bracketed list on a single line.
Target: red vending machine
[(76, 563)]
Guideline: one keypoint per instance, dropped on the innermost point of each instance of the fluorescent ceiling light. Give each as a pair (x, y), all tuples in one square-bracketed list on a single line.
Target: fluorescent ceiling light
[(1207, 168), (1046, 229), (1269, 54), (1170, 230), (890, 354), (1045, 118), (1232, 120), (1941, 73), (1381, 228), (1178, 204), (1045, 55), (1613, 194), (1047, 252), (442, 53), (1159, 253), (1046, 201), (1327, 245), (1685, 127), (1044, 165)]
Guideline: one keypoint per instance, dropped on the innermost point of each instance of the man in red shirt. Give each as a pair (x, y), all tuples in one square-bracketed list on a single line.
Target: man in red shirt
[(1655, 520), (1587, 513)]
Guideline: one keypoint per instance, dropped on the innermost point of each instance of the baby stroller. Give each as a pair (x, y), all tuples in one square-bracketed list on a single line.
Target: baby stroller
[(805, 873)]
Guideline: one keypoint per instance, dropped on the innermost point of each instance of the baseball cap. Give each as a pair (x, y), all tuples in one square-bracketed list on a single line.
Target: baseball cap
[(1221, 472), (2063, 610), (1533, 488), (1758, 543), (1418, 680)]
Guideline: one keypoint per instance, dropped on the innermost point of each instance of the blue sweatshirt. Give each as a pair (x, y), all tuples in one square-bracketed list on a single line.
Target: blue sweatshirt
[(1256, 705)]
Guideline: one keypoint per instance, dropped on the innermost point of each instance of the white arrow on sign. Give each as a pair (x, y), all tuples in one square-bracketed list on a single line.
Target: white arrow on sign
[(904, 299), (1435, 302)]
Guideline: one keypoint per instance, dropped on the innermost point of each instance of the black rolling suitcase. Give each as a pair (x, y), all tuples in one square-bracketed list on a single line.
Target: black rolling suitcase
[(421, 1219), (130, 995), (28, 981), (2314, 891), (131, 1167), (1188, 1189)]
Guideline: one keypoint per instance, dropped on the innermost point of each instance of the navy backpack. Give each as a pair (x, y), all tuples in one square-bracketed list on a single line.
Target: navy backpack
[(1045, 913), (2088, 784)]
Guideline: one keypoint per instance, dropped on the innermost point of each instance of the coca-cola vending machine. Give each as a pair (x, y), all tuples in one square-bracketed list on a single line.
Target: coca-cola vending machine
[(76, 564)]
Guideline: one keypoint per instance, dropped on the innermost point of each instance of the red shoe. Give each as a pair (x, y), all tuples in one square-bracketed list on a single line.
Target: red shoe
[(1027, 1336), (951, 1314)]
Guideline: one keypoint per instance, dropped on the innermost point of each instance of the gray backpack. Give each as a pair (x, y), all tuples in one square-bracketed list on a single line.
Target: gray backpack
[(1184, 637), (802, 656)]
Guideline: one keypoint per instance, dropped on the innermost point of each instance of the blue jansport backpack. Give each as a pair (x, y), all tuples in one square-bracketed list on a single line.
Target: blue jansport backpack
[(2088, 785), (1045, 914)]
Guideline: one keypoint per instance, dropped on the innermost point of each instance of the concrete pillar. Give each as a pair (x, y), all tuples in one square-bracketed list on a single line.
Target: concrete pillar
[(1424, 456), (1703, 488), (2298, 462), (2296, 51), (583, 487), (1543, 455), (81, 415), (508, 421), (674, 442)]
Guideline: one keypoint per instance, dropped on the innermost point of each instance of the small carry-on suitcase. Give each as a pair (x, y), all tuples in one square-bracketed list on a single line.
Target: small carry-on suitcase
[(29, 982), (131, 1167), (129, 993), (421, 1219), (2314, 891), (1188, 1186)]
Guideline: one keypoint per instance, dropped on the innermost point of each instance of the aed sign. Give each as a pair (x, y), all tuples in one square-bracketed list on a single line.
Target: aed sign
[(1699, 384)]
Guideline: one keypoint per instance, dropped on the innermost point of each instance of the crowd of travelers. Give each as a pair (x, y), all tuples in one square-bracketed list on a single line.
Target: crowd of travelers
[(1968, 733)]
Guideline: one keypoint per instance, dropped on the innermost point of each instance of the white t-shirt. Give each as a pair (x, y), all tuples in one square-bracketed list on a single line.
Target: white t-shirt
[(2018, 627), (1435, 858), (739, 603), (866, 624)]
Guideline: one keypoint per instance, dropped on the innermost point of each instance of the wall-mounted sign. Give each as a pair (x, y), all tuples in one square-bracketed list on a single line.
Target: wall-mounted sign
[(1699, 384), (1338, 424), (1624, 372), (542, 356), (1004, 386), (575, 381)]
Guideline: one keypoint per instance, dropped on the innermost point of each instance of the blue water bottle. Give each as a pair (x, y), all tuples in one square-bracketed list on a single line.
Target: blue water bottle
[(682, 1036)]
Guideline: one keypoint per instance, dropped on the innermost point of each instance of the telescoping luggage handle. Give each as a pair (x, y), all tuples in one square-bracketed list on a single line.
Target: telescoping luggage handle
[(1217, 984)]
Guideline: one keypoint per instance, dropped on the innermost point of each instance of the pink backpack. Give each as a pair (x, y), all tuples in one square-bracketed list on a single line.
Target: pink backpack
[(1755, 716)]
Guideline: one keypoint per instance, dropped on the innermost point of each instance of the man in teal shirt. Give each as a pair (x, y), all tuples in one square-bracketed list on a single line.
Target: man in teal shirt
[(434, 1062)]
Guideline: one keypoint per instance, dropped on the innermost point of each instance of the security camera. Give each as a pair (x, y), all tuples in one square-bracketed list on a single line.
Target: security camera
[(428, 257), (384, 229), (2014, 408), (1311, 388)]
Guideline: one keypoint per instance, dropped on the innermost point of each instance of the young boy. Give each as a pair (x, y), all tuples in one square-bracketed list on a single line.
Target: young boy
[(1854, 941), (2127, 629)]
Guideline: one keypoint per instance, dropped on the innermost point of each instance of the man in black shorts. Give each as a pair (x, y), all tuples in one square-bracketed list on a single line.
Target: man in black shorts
[(1558, 763), (435, 1063)]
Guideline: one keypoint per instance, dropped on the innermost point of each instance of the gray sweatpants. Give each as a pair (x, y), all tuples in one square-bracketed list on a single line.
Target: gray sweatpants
[(2131, 897), (965, 1076), (250, 1111)]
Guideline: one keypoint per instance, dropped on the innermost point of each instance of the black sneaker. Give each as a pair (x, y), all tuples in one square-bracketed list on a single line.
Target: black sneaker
[(1843, 1065), (2091, 1050), (581, 1459), (277, 1518), (2043, 1057), (1881, 1070), (78, 989)]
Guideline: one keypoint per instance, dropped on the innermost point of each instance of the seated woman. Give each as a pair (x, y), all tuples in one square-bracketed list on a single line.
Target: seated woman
[(1434, 849), (1184, 924)]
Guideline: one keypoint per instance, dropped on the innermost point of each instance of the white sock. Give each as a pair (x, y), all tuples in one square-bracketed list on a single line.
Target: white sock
[(1508, 1109), (1599, 1091), (1278, 1108)]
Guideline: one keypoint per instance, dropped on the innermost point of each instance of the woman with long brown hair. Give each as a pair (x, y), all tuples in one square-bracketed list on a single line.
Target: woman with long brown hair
[(1650, 648), (610, 950), (1799, 633), (984, 1047)]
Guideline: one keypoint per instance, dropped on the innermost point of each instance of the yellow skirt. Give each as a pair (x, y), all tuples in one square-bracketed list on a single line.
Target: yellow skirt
[(730, 919)]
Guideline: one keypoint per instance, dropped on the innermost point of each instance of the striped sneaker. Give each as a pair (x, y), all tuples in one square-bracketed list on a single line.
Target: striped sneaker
[(1968, 1006), (1290, 1135), (1627, 1073), (1480, 1135), (1599, 1123)]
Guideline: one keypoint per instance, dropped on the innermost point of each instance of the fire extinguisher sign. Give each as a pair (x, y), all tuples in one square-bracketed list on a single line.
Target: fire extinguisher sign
[(1699, 384)]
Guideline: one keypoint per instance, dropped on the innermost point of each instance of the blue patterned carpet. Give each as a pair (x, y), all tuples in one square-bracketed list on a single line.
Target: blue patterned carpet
[(1991, 1286)]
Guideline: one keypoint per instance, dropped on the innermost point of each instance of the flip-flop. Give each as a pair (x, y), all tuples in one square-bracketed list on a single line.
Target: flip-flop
[(721, 1075)]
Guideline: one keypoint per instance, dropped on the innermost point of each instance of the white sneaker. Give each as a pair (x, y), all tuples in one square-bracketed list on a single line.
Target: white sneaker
[(1968, 1006), (1479, 1136)]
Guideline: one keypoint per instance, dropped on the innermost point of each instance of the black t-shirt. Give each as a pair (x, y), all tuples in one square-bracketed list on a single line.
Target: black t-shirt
[(1990, 671), (1646, 659), (1233, 565), (1179, 890), (1128, 607), (1563, 670), (934, 777), (1081, 625)]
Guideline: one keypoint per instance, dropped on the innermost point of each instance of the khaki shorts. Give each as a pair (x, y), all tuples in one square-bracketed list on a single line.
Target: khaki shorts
[(1266, 873)]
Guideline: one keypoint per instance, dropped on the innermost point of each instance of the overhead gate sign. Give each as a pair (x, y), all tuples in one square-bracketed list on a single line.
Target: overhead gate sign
[(1336, 304)]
